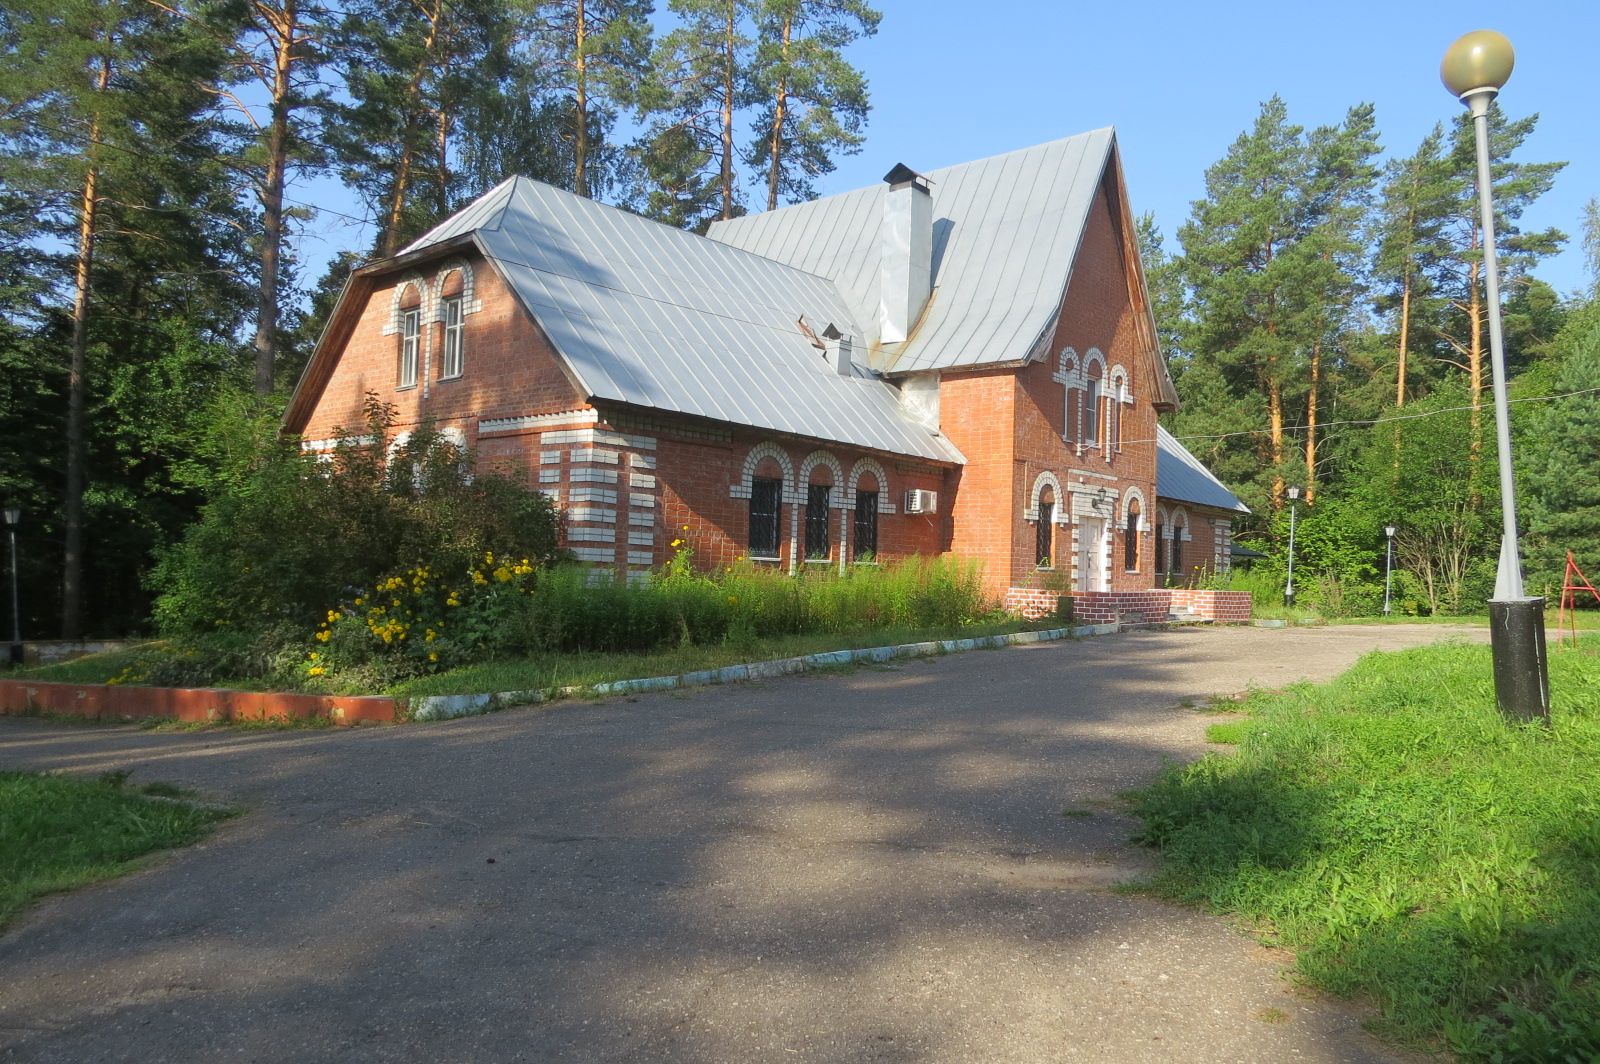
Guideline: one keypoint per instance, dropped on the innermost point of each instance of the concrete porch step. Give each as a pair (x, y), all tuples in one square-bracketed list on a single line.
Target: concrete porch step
[(1186, 617)]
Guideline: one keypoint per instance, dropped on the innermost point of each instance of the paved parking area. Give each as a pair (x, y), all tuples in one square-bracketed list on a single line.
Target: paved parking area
[(871, 866)]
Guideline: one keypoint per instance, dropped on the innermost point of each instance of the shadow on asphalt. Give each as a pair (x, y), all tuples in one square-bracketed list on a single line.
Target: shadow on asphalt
[(868, 866)]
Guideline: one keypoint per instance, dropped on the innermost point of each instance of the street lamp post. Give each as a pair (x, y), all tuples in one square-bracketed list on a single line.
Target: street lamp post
[(13, 516), (1388, 566), (1475, 68), (1288, 587)]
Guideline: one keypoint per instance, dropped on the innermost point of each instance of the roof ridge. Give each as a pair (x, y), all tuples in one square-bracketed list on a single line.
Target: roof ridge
[(931, 174)]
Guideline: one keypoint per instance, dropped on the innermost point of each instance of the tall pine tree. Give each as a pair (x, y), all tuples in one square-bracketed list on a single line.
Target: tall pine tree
[(812, 103)]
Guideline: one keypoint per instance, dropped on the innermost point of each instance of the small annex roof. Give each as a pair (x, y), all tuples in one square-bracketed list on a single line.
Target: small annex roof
[(1006, 235), (1181, 478), (656, 317)]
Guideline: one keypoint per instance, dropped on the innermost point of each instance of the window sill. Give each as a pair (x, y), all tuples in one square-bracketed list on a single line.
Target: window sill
[(762, 558), (405, 387), (452, 377), (1044, 568), (819, 561), (873, 564)]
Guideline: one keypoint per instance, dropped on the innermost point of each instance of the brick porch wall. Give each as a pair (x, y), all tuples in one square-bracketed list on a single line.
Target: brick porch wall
[(1106, 607), (1222, 607)]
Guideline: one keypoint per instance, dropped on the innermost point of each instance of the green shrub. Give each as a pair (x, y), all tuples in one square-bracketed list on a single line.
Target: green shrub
[(300, 533)]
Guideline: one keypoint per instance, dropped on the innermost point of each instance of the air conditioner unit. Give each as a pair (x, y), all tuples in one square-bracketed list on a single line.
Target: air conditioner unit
[(922, 502)]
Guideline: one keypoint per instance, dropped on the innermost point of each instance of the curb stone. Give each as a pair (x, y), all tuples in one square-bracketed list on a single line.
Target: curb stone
[(447, 707)]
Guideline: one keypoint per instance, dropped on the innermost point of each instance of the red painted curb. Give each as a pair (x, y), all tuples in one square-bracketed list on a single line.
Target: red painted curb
[(105, 701)]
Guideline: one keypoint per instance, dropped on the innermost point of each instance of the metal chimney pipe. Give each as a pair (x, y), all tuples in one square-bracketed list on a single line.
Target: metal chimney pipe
[(907, 262)]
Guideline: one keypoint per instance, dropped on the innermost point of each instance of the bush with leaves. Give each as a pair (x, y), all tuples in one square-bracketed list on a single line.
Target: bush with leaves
[(303, 533)]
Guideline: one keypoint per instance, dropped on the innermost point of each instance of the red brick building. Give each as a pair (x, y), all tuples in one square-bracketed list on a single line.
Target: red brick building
[(959, 362)]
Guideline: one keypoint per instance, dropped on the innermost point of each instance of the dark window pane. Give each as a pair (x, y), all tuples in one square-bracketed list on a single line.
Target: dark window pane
[(1175, 561), (1130, 543), (866, 530), (817, 521), (1043, 537), (1161, 549), (766, 502)]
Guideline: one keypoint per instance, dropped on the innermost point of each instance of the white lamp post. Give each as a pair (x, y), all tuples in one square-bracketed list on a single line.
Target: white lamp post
[(13, 517), (1475, 68), (1388, 566), (1288, 587)]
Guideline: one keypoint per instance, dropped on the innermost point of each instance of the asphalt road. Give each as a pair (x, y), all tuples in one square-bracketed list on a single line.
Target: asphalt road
[(871, 866)]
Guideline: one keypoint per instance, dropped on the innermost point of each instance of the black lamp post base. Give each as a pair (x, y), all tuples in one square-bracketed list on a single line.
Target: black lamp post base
[(1521, 667)]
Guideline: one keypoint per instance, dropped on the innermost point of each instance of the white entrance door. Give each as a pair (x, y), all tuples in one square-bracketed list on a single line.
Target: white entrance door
[(1091, 553)]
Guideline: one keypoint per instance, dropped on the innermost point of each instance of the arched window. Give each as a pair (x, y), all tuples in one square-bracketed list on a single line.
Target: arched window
[(1091, 405), (410, 335), (865, 532), (1180, 527), (1044, 533), (818, 527), (767, 469), (1130, 539), (452, 341)]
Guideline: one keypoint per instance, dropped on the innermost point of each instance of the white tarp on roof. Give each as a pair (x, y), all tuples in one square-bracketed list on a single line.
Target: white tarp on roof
[(656, 317), (1006, 232)]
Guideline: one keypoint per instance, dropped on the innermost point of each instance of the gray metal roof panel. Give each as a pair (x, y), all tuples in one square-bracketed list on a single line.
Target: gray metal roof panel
[(1007, 231), (656, 317), (1181, 477)]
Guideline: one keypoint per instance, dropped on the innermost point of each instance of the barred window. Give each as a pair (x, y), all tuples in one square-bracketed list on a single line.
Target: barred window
[(454, 334), (766, 506), (410, 330), (817, 538), (1130, 540), (866, 530), (1044, 535), (1161, 550)]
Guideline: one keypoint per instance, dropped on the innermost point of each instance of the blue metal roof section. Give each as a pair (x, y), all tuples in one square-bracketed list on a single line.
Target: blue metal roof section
[(655, 317), (1006, 236), (1181, 477)]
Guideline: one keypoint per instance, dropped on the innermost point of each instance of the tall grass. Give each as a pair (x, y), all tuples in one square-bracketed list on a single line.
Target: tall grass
[(567, 612), (1411, 846)]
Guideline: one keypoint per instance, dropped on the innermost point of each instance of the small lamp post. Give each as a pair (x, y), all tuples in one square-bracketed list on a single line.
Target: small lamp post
[(1288, 588), (13, 516), (1388, 566), (1475, 68)]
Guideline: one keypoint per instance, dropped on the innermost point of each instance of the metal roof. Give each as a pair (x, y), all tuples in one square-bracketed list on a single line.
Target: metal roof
[(1006, 235), (1181, 477), (656, 317)]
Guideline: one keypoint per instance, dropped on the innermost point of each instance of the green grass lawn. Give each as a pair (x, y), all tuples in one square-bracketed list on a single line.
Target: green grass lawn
[(1411, 847), (584, 670), (60, 832), (587, 669)]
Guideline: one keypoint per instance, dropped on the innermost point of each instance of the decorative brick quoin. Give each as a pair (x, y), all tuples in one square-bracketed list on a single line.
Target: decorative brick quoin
[(960, 362)]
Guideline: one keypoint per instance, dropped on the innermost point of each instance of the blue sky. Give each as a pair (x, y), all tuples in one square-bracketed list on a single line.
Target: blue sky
[(954, 81)]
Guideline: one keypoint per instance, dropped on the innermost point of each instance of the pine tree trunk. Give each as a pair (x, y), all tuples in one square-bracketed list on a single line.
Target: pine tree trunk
[(1405, 337), (580, 147), (1475, 359), (1311, 424), (442, 147), (728, 102), (78, 385), (780, 115), (284, 24), (389, 243), (1275, 424)]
